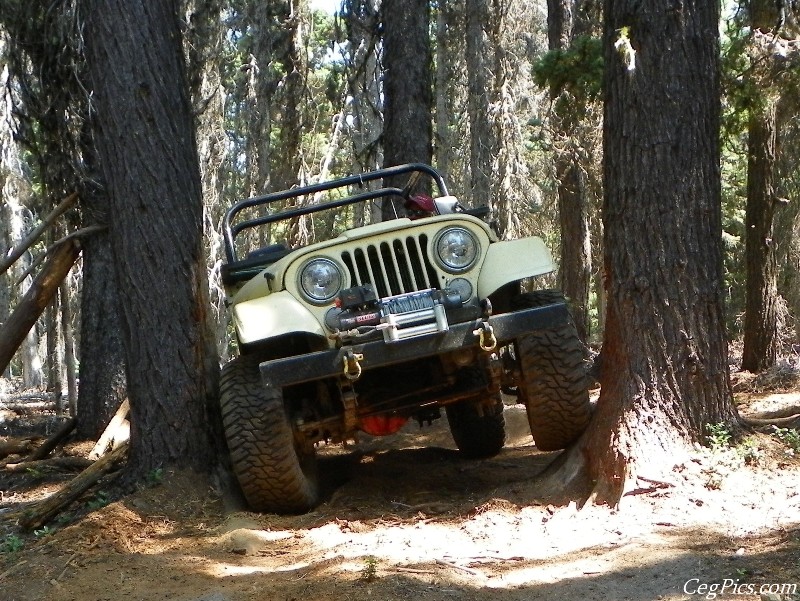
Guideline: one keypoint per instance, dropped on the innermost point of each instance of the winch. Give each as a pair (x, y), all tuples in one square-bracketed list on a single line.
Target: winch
[(359, 312)]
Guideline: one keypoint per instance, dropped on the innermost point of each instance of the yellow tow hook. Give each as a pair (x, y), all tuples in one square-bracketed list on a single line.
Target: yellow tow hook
[(352, 365), (486, 338)]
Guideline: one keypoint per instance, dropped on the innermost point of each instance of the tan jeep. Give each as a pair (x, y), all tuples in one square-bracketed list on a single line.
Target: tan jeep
[(381, 323)]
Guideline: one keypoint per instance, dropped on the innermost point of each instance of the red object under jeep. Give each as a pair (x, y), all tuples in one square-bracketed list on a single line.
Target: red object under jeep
[(381, 425)]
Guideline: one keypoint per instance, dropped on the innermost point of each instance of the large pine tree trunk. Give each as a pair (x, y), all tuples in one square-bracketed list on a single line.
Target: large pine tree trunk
[(147, 153), (408, 129), (664, 374)]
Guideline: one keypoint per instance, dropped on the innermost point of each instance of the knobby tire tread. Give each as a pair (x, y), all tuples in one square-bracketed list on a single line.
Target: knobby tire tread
[(478, 428), (554, 383), (273, 474)]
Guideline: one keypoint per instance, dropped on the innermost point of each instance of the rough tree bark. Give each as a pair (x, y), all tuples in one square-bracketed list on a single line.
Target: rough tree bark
[(148, 156), (664, 374), (408, 127), (101, 371), (761, 266)]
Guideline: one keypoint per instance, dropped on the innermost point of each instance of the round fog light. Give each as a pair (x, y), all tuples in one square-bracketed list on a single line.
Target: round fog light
[(462, 286)]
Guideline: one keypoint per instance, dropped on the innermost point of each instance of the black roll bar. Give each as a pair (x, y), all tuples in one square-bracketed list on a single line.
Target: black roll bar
[(230, 232)]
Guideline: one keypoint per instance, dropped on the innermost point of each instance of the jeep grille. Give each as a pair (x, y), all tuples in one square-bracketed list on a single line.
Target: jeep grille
[(393, 266)]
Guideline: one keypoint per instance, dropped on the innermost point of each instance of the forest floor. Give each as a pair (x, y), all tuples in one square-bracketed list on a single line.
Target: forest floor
[(405, 518)]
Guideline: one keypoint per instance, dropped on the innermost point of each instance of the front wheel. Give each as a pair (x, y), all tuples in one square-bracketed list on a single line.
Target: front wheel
[(276, 472), (553, 382), (477, 424)]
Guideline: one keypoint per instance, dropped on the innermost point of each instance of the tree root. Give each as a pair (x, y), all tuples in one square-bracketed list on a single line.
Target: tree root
[(793, 411), (767, 425), (566, 478)]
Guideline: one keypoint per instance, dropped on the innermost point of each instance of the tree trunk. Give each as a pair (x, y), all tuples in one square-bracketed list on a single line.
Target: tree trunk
[(55, 383), (68, 336), (101, 370), (511, 187), (262, 83), (761, 316), (787, 221), (664, 374), (445, 144), (363, 80), (205, 42), (290, 158), (408, 128), (290, 168), (148, 156), (481, 144), (575, 266), (761, 266)]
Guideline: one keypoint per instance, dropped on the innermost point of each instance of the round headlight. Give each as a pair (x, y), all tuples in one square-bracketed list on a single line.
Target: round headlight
[(320, 280), (457, 249)]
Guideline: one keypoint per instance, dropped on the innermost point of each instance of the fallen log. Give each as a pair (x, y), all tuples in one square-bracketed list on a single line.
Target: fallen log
[(36, 299), (70, 464), (19, 250), (117, 431), (16, 446), (51, 443), (81, 233), (28, 407), (38, 515), (27, 396)]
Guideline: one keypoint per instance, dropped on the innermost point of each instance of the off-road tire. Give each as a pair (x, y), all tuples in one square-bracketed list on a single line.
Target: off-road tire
[(553, 382), (477, 426), (275, 473)]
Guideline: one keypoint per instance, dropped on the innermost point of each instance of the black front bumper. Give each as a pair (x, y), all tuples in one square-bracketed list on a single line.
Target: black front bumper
[(329, 364)]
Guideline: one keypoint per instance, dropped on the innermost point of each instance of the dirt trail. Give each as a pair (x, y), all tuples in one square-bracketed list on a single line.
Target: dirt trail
[(407, 519)]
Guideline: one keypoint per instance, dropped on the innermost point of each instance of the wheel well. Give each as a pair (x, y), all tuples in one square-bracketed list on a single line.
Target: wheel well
[(287, 345), (501, 298)]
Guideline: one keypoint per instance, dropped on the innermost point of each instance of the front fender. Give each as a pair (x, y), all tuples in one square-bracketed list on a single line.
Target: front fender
[(273, 315), (513, 260)]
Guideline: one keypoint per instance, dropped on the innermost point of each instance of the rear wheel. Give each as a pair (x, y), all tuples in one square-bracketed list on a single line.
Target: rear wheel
[(553, 382), (477, 424), (276, 472)]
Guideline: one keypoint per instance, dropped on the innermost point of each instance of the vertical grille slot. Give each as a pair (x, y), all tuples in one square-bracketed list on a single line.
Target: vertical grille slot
[(393, 267)]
